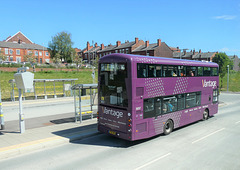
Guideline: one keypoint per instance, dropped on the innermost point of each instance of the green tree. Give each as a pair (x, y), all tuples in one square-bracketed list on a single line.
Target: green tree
[(61, 47), (2, 57), (222, 60), (29, 57)]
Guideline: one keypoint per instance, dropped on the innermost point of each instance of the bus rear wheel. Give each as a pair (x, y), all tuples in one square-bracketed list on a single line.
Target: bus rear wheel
[(168, 127), (205, 114)]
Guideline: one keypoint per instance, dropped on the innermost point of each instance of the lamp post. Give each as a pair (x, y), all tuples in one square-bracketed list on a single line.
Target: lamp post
[(228, 78)]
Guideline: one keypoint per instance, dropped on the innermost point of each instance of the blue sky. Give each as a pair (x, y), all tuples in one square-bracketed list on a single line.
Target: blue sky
[(209, 25)]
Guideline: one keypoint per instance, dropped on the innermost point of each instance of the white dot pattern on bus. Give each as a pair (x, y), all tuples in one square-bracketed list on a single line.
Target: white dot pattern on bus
[(159, 123), (146, 60), (154, 87), (181, 85)]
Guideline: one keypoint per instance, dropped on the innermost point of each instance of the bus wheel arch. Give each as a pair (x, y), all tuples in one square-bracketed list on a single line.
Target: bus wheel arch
[(168, 127), (205, 114)]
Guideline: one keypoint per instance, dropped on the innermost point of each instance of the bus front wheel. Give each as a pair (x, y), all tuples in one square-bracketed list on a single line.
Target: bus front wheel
[(168, 127), (205, 114)]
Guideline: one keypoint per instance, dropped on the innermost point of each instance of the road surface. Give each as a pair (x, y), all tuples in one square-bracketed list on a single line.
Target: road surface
[(212, 144)]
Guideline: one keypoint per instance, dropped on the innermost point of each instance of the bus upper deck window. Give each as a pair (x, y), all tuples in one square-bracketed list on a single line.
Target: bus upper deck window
[(142, 71), (151, 71)]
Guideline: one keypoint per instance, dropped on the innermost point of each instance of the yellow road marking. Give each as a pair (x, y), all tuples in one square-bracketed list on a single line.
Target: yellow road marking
[(29, 143)]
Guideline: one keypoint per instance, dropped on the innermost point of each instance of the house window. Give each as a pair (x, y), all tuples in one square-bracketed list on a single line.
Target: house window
[(11, 51), (11, 58), (40, 60), (6, 50), (18, 59), (126, 50), (46, 53), (36, 53), (116, 51), (18, 52), (40, 53)]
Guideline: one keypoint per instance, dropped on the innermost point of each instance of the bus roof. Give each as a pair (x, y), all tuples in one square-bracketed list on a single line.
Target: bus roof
[(155, 60)]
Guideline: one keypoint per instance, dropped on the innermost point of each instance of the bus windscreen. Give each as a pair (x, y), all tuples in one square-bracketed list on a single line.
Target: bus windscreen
[(113, 85)]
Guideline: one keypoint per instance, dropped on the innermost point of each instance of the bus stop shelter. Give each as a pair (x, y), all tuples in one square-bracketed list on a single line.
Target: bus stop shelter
[(78, 91)]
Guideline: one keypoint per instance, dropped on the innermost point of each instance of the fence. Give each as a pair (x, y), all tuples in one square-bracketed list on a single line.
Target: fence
[(44, 88)]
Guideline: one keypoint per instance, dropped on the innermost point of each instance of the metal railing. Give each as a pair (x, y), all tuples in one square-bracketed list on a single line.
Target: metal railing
[(78, 91), (45, 88)]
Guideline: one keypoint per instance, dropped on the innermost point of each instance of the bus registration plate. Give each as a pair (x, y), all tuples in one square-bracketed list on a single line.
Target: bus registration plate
[(112, 132)]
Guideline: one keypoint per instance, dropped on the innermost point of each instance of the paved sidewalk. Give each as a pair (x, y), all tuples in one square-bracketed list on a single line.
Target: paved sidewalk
[(47, 131), (14, 143)]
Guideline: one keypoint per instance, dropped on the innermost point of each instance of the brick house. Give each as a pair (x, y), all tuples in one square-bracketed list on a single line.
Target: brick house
[(194, 55), (236, 62), (15, 47), (127, 47), (90, 52), (159, 49)]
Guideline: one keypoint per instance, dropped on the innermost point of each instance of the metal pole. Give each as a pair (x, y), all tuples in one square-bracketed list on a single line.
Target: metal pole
[(75, 106), (71, 88), (34, 88), (91, 97), (91, 101), (55, 95), (80, 106), (21, 115), (228, 78), (13, 99), (45, 93), (64, 94), (1, 112)]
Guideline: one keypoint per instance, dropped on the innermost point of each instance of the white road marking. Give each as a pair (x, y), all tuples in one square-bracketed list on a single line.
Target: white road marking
[(237, 122), (208, 135), (153, 161)]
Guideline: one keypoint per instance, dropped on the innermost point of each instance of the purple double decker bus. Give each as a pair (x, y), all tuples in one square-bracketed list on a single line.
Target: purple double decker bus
[(143, 96)]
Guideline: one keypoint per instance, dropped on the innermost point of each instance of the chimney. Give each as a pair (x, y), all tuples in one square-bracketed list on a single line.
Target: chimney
[(184, 51), (194, 52), (178, 50), (200, 51), (136, 40), (102, 46), (147, 43), (95, 44), (118, 43), (88, 46), (158, 42)]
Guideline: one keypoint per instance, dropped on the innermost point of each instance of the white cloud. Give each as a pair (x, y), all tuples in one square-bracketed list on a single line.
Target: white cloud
[(230, 51), (225, 17)]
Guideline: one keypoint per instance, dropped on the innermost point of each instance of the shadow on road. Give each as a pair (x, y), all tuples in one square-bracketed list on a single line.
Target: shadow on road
[(68, 132), (110, 141)]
